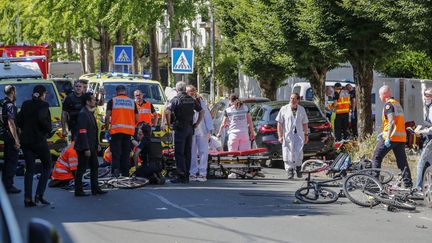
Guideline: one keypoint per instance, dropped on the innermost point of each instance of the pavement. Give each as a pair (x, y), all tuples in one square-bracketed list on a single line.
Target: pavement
[(231, 210)]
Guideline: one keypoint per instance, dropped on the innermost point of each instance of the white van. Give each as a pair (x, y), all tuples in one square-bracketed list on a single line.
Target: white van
[(71, 70), (304, 89)]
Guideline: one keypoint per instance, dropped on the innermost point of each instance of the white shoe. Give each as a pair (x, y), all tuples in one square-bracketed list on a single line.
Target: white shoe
[(201, 178), (232, 176), (192, 178)]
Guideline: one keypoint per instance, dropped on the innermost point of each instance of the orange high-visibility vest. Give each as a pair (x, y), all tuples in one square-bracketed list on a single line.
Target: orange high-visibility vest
[(123, 115), (107, 155), (343, 103), (399, 133), (144, 112), (65, 164)]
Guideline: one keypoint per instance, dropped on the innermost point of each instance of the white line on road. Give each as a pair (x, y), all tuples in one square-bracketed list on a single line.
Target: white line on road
[(166, 201), (428, 219)]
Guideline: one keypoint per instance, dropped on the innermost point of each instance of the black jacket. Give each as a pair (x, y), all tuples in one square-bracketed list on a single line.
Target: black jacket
[(34, 120), (87, 131)]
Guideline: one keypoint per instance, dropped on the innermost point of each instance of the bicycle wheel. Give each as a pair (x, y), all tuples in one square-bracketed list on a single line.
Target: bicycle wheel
[(357, 186), (102, 172), (129, 183), (395, 201), (322, 196), (314, 166), (384, 176)]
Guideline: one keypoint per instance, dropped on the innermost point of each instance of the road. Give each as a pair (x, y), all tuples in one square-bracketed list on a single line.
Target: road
[(233, 210)]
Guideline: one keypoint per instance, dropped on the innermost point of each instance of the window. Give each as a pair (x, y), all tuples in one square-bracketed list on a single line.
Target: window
[(297, 89), (259, 115), (313, 112), (273, 115), (25, 91), (152, 92), (309, 94)]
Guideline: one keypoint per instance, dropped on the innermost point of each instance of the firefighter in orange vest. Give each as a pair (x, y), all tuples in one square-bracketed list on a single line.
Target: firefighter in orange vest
[(65, 167), (393, 136), (120, 122), (146, 110), (342, 108)]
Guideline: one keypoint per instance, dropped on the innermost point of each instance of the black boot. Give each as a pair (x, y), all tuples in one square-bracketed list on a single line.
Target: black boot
[(98, 191), (28, 202), (81, 193), (41, 199)]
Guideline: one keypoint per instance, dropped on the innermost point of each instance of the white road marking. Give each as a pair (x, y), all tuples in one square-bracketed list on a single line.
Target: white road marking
[(166, 201), (428, 219)]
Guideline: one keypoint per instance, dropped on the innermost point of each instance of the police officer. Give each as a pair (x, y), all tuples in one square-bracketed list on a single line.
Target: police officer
[(71, 107), (146, 110), (183, 106), (120, 121), (11, 140), (342, 108), (393, 136)]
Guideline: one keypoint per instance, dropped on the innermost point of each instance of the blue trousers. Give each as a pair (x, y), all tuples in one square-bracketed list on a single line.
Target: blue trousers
[(399, 151)]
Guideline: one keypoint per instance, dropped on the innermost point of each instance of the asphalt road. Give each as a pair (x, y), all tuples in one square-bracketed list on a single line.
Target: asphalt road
[(233, 210)]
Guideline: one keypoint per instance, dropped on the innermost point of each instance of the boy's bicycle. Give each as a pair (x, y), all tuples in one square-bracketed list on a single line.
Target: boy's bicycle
[(319, 192), (368, 191)]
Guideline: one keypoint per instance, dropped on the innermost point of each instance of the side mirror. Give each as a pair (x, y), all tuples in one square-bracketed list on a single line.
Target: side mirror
[(41, 231)]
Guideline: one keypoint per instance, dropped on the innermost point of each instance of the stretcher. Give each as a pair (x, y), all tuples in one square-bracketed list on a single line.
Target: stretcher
[(244, 163)]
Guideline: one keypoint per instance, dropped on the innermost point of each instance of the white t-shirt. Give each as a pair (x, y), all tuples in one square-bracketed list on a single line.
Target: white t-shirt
[(237, 119)]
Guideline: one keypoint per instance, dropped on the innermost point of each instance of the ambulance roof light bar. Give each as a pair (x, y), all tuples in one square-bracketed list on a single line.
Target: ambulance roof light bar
[(21, 59)]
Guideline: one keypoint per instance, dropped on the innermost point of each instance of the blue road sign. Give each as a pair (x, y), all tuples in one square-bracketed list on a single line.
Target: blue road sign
[(182, 60), (123, 55)]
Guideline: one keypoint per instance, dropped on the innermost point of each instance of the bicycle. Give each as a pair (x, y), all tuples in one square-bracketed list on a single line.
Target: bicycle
[(106, 180), (368, 191), (318, 192)]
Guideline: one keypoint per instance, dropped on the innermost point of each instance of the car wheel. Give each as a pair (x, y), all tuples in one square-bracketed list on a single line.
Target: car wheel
[(427, 186)]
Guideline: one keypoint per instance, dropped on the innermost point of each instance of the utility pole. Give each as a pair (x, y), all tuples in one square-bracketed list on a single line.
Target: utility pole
[(212, 51)]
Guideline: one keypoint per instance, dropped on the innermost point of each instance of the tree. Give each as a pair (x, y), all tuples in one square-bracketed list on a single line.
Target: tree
[(255, 33), (313, 52), (407, 64)]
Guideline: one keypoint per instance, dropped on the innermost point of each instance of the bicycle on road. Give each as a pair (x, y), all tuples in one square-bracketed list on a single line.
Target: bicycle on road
[(367, 191), (319, 192)]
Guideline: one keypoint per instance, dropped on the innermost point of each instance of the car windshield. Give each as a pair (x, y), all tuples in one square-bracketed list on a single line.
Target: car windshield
[(152, 92), (63, 86), (24, 92), (312, 112)]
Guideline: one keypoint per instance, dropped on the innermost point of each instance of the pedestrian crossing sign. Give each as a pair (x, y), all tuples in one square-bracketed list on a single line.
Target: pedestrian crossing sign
[(123, 55), (182, 60)]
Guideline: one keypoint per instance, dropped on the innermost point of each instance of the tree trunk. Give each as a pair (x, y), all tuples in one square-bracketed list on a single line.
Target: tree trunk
[(69, 48), (105, 46), (318, 84), (135, 69), (154, 55), (268, 88), (363, 77), (176, 40), (90, 56), (82, 54)]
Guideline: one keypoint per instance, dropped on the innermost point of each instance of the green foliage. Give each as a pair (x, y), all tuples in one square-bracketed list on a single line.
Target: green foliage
[(254, 32), (408, 64)]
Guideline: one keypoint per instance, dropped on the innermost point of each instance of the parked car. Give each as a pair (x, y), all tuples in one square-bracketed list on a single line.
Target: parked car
[(321, 137), (427, 184), (217, 113)]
